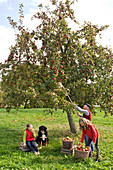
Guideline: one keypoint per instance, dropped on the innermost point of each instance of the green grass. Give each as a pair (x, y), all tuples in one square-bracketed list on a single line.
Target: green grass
[(13, 124)]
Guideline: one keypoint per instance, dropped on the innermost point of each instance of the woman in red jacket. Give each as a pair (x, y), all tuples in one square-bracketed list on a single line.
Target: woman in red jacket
[(89, 129)]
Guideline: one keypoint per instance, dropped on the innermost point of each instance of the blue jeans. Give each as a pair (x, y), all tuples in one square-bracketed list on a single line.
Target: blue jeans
[(96, 146), (86, 142), (31, 145)]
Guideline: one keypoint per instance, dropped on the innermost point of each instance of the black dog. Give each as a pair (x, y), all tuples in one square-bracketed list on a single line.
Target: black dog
[(42, 136)]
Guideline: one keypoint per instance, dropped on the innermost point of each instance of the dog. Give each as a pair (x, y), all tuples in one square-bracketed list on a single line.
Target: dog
[(42, 136)]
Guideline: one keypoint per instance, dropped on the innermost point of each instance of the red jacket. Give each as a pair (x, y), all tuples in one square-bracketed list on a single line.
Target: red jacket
[(29, 136), (87, 117), (91, 132)]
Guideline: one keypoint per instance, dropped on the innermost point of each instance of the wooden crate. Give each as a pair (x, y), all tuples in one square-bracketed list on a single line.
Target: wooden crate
[(25, 148), (67, 151)]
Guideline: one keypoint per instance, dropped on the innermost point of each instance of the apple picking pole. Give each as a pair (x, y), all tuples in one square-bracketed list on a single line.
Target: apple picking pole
[(61, 85), (73, 128)]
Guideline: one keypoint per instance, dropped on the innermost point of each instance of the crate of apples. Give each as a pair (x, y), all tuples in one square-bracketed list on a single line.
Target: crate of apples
[(81, 151), (82, 148), (68, 139), (68, 143)]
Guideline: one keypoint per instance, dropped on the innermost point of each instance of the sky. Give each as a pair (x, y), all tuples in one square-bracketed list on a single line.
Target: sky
[(98, 12)]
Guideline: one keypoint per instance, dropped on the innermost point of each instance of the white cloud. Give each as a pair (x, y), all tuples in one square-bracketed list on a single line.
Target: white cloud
[(44, 2), (7, 38), (10, 8), (107, 38), (97, 12), (31, 24), (3, 1)]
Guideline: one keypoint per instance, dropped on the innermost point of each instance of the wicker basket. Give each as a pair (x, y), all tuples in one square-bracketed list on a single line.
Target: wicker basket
[(81, 154), (68, 144)]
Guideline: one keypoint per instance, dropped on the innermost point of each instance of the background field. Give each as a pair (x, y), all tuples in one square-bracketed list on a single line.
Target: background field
[(13, 124)]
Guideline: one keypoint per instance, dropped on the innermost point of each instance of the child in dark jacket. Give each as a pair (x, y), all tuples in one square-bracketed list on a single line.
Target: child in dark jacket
[(29, 139), (89, 129)]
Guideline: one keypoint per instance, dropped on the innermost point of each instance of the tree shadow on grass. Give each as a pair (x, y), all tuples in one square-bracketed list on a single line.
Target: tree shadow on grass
[(59, 133), (50, 155)]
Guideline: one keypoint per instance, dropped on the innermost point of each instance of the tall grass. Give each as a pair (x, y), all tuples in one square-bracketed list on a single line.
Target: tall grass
[(13, 124)]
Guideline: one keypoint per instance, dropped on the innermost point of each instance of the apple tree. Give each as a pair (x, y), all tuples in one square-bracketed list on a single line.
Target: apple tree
[(67, 59)]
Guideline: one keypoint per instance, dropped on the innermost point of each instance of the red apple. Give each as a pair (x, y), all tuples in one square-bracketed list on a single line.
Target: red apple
[(60, 17), (66, 36), (60, 44), (60, 80)]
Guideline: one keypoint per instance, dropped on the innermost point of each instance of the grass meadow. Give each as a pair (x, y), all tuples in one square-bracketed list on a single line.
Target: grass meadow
[(13, 124)]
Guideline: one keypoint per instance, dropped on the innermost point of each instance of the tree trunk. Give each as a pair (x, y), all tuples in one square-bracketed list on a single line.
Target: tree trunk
[(73, 128)]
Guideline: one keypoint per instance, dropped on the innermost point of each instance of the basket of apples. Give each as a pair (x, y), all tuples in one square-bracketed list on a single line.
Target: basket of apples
[(67, 141), (81, 151)]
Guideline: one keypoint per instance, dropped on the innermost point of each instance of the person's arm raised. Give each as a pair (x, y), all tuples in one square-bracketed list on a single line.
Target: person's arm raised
[(83, 111)]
